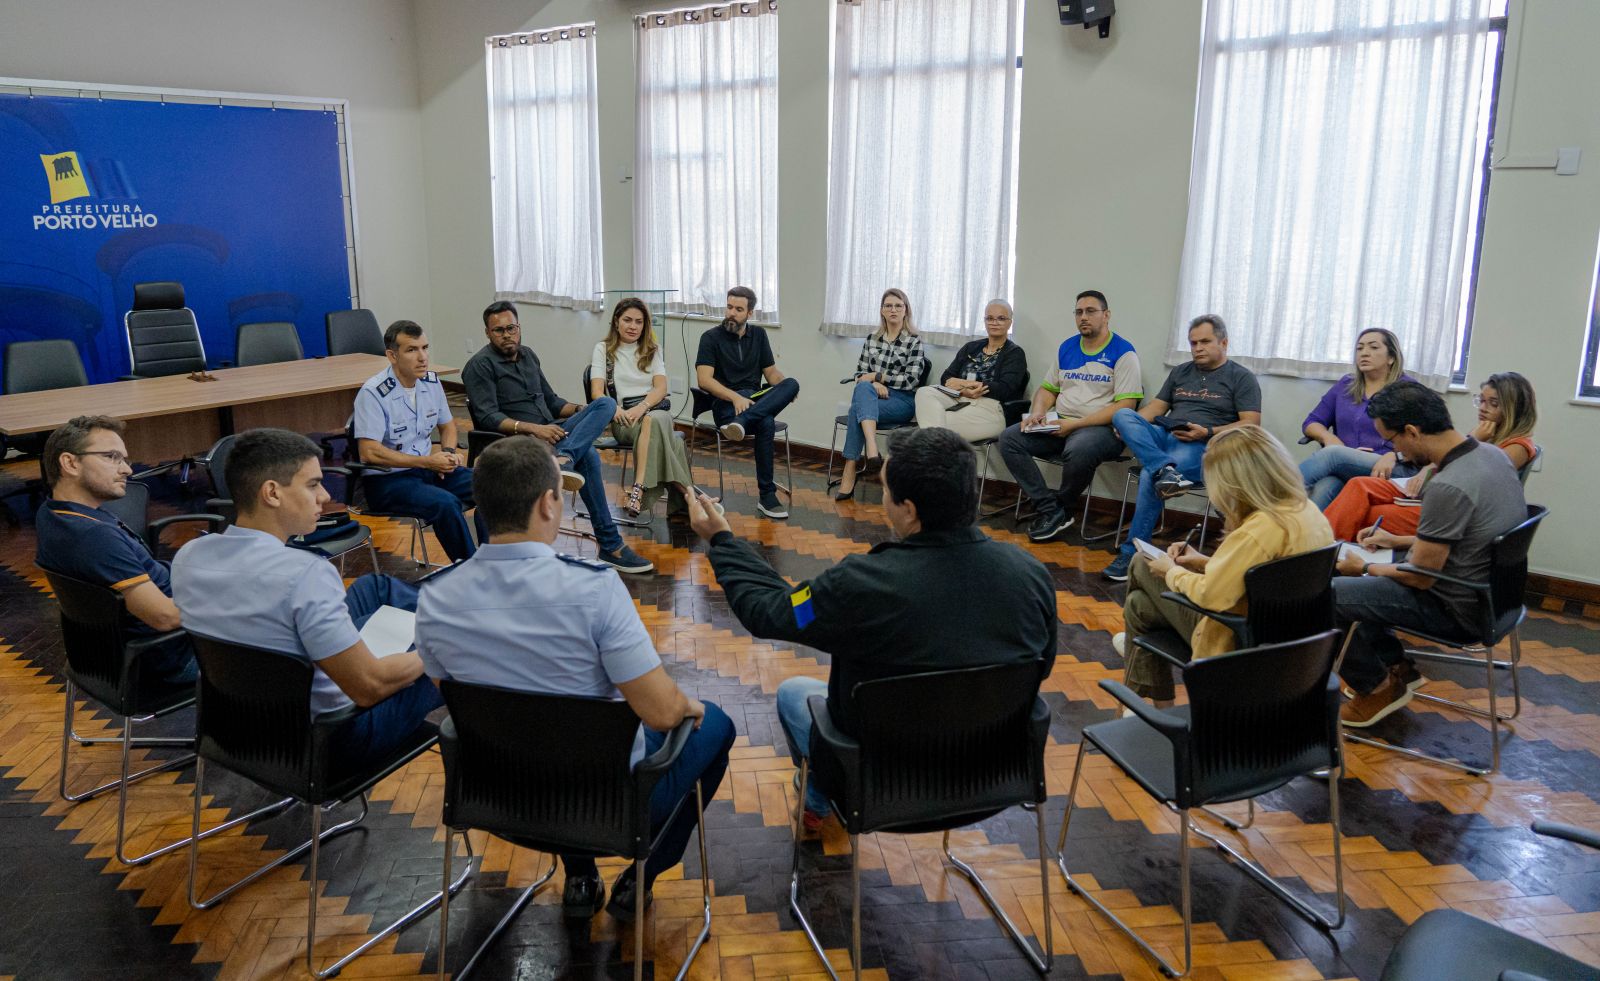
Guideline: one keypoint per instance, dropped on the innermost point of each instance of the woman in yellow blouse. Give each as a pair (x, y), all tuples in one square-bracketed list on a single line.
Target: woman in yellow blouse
[(1266, 515)]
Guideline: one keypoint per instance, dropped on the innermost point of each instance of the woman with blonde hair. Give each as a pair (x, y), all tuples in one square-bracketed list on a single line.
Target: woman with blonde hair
[(628, 366), (1266, 514), (1351, 446), (886, 377)]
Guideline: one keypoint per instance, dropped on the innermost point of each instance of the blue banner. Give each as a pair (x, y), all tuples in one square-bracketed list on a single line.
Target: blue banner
[(243, 206)]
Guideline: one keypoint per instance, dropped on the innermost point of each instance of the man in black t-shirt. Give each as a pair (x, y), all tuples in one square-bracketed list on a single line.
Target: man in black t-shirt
[(1169, 433), (735, 360)]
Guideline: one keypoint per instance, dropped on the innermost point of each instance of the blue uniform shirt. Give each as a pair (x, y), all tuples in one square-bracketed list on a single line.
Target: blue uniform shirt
[(246, 587), (521, 616), (384, 412), (92, 545)]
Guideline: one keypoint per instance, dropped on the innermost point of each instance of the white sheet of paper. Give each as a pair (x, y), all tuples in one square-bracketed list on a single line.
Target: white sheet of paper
[(1400, 482), (1148, 550), (1048, 426), (1382, 556), (390, 631)]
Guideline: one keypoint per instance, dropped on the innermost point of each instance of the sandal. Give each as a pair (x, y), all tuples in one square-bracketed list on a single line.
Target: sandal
[(635, 499)]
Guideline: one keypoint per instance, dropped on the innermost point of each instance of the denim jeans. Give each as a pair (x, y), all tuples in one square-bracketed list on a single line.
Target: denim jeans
[(1326, 471), (897, 409), (440, 499), (1378, 603), (704, 759), (371, 735), (1080, 455), (759, 423), (1155, 448), (795, 718), (583, 428)]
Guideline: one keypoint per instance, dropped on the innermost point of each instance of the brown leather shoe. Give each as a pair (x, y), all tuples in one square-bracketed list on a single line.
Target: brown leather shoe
[(1365, 710)]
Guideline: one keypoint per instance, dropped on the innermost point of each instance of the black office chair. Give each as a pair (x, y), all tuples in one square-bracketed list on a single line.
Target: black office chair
[(104, 659), (936, 751), (336, 535), (163, 337), (133, 510), (1256, 719), (1013, 411), (700, 403), (253, 718), (543, 789), (39, 366), (609, 442), (1130, 483), (840, 422), (353, 332), (267, 343), (1500, 614), (1449, 945), (479, 440)]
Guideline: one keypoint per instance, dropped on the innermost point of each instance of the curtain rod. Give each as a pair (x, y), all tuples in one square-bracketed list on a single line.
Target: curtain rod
[(704, 15)]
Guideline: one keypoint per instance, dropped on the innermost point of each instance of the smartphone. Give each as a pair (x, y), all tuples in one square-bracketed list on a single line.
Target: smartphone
[(1168, 423)]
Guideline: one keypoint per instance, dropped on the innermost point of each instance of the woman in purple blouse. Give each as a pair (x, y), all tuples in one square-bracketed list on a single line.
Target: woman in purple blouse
[(1351, 446)]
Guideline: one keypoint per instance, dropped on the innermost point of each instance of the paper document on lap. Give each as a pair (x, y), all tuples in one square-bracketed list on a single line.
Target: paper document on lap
[(390, 631)]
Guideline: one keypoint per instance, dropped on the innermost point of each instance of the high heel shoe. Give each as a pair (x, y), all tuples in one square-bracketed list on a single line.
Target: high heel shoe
[(847, 495), (635, 499)]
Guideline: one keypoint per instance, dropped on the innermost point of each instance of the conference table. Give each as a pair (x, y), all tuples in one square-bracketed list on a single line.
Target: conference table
[(177, 416)]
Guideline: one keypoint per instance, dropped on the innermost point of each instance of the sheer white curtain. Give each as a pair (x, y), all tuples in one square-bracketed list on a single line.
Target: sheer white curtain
[(544, 167), (922, 175), (1332, 186), (705, 194)]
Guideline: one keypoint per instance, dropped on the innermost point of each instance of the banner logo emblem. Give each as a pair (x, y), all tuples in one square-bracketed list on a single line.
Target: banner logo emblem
[(64, 176)]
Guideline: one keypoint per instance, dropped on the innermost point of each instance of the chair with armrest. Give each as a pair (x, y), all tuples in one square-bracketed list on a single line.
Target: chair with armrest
[(1449, 945), (133, 510), (700, 403), (1014, 411), (936, 752), (355, 473), (609, 442), (253, 718), (884, 428), (104, 662), (353, 332), (1501, 611), (479, 440), (39, 366), (1256, 719), (541, 789), (267, 343), (163, 336)]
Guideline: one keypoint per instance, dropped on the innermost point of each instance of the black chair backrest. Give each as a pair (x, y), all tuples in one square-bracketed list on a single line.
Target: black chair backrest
[(267, 343), (479, 440), (551, 769), (217, 466), (1508, 563), (254, 714), (132, 508), (1258, 718), (38, 366), (354, 332), (1015, 409), (94, 631), (944, 744), (588, 376), (1290, 597), (163, 337)]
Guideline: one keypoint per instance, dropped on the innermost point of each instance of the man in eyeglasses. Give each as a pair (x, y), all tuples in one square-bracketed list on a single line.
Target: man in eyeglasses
[(86, 466), (509, 394)]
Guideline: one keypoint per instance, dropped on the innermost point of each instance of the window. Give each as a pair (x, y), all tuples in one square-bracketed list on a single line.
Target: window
[(706, 188), (1589, 381), (544, 167), (1339, 173), (923, 162)]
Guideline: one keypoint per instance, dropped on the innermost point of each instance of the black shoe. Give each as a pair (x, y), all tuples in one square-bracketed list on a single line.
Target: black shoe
[(1170, 483), (770, 506), (1048, 525), (583, 897), (623, 895)]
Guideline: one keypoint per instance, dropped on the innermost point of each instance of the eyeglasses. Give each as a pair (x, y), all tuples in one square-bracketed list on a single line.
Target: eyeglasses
[(1478, 402), (116, 457), (1085, 311), (505, 331), (996, 320)]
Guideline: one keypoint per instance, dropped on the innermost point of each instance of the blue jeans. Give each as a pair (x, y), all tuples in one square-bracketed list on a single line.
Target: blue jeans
[(759, 422), (583, 428), (370, 736), (795, 718), (900, 407), (440, 499), (1326, 471), (1378, 603), (1155, 448), (704, 759)]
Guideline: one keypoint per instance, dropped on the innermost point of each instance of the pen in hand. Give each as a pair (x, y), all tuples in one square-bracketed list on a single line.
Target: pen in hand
[(1371, 534)]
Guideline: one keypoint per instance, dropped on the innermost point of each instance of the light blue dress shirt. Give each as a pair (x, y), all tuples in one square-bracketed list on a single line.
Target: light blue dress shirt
[(385, 414)]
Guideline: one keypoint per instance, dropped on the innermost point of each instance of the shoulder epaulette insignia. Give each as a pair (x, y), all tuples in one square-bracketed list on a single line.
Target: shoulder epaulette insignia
[(439, 573), (386, 386), (579, 560), (431, 376)]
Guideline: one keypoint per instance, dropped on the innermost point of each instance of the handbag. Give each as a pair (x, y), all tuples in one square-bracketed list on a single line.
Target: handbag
[(611, 389)]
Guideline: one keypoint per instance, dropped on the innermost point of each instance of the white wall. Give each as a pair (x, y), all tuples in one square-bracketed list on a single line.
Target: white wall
[(360, 50)]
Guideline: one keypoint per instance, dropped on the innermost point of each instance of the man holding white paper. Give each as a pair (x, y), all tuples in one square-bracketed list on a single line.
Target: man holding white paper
[(1095, 374), (245, 586)]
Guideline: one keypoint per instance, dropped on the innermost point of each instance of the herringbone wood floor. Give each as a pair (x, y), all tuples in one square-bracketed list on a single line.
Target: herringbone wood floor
[(1415, 837)]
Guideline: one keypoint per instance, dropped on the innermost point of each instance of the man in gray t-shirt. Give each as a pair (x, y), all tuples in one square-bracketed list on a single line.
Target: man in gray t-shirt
[(1473, 498)]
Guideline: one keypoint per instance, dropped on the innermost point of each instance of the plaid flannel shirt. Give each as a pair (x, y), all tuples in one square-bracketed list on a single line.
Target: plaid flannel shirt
[(900, 360)]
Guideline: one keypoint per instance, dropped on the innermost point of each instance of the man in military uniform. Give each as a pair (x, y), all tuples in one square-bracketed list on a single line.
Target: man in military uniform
[(510, 394), (521, 616), (918, 603), (395, 415)]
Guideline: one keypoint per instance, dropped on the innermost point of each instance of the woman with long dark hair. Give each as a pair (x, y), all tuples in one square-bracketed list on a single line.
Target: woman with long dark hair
[(629, 365)]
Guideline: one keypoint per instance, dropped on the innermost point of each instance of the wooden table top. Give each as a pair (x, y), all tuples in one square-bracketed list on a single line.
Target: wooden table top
[(32, 412)]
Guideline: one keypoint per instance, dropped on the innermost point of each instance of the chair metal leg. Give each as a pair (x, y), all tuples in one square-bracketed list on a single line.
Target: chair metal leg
[(722, 486), (1122, 511), (788, 467), (1261, 875), (833, 443), (638, 919), (68, 736), (1229, 822), (1040, 963), (511, 914), (705, 883), (416, 913), (794, 875)]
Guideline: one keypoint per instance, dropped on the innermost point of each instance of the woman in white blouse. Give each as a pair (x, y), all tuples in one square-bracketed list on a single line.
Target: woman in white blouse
[(628, 366)]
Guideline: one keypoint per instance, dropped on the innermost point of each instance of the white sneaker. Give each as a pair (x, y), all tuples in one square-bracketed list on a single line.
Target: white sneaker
[(571, 480), (1119, 643), (732, 432)]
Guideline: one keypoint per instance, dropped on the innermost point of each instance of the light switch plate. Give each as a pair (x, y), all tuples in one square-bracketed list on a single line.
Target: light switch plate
[(1567, 160)]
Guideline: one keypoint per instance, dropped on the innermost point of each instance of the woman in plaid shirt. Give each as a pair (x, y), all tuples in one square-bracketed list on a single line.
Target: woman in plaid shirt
[(887, 375)]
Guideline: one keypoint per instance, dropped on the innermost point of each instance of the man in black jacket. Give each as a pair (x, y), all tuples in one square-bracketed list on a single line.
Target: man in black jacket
[(942, 595)]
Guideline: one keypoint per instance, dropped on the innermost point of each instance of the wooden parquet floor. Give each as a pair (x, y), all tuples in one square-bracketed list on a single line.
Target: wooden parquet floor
[(1415, 837)]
